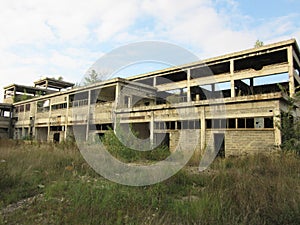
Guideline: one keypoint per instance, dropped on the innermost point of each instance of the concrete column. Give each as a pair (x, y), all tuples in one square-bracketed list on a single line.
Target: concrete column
[(231, 78), (49, 121), (203, 129), (88, 116), (152, 130), (15, 91), (291, 71), (117, 103), (67, 118), (118, 91), (154, 81), (188, 85), (277, 123)]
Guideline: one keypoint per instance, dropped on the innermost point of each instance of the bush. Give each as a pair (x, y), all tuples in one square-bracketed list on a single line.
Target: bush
[(120, 151)]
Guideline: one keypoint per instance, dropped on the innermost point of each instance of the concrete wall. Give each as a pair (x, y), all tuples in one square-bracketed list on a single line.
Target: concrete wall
[(249, 141), (41, 133), (3, 133), (189, 139)]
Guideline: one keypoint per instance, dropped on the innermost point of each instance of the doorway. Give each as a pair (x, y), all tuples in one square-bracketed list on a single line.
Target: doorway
[(56, 137), (219, 144)]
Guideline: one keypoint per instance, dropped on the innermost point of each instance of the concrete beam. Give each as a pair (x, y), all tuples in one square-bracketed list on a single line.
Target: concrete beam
[(291, 71), (247, 74), (296, 58), (296, 76)]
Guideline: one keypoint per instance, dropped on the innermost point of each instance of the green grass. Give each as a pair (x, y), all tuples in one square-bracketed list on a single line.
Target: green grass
[(249, 190)]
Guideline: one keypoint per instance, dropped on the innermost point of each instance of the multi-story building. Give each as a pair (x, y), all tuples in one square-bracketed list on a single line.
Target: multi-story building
[(234, 100)]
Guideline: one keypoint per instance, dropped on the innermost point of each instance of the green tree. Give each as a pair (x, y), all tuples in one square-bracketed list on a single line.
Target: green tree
[(60, 78), (290, 125), (258, 44), (93, 77)]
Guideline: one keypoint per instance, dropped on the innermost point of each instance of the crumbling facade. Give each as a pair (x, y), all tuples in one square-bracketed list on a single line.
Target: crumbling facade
[(233, 100)]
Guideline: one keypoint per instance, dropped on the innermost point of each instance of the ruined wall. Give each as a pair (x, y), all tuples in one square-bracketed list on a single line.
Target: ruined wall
[(248, 141), (189, 139), (42, 133), (3, 133)]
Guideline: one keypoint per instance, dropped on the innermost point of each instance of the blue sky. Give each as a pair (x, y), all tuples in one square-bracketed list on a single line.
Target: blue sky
[(65, 38)]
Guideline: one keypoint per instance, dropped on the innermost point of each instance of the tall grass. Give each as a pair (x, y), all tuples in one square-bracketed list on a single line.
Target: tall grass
[(256, 189)]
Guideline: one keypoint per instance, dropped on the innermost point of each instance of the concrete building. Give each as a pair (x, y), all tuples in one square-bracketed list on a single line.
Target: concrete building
[(233, 101)]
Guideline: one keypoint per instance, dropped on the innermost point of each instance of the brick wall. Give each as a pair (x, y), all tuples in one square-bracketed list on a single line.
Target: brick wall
[(248, 141)]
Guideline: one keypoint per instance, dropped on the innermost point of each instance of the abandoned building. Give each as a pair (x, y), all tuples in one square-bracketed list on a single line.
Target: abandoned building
[(247, 85)]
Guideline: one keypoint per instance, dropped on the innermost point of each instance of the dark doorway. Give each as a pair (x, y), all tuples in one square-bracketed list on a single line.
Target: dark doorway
[(219, 144), (56, 137)]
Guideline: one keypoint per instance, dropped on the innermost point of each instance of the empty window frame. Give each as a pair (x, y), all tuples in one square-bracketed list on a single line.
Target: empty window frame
[(184, 124), (59, 106), (240, 123), (27, 107), (216, 123), (231, 123)]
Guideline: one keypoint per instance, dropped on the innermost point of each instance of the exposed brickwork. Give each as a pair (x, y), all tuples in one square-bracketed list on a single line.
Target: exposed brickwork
[(248, 141)]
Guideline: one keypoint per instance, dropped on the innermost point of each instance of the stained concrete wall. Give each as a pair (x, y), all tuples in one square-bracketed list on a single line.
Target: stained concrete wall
[(3, 132), (249, 141), (42, 133), (189, 139)]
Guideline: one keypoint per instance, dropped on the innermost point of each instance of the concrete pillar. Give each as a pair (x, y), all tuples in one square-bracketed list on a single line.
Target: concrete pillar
[(117, 94), (67, 118), (188, 85), (49, 121), (154, 81), (291, 71), (152, 130), (88, 116), (117, 103), (277, 123), (232, 86), (252, 85), (203, 129), (15, 92)]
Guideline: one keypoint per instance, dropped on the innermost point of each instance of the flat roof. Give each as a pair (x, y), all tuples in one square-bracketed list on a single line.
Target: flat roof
[(5, 106), (53, 83), (29, 89), (277, 45), (101, 84)]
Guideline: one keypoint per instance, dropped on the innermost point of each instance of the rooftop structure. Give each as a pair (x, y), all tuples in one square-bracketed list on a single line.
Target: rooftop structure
[(53, 83)]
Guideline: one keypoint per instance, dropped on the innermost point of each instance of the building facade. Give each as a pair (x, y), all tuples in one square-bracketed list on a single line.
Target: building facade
[(231, 103)]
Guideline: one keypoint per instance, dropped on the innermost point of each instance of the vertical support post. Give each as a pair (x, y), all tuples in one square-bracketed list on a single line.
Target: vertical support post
[(117, 103), (252, 85), (291, 71), (213, 89), (46, 83), (88, 116), (232, 86), (152, 130), (49, 121), (67, 117), (277, 123), (203, 129), (188, 85), (15, 92), (154, 82)]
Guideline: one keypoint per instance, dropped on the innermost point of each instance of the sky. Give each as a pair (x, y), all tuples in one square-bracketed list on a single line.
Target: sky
[(42, 38)]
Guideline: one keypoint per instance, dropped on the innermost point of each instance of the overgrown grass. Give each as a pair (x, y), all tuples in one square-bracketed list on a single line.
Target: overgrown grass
[(126, 154), (250, 190)]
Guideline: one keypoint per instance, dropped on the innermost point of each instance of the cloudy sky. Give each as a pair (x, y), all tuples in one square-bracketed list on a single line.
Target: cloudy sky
[(64, 38)]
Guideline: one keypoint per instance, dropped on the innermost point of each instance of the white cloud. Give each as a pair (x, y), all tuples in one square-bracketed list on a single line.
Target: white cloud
[(66, 38)]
